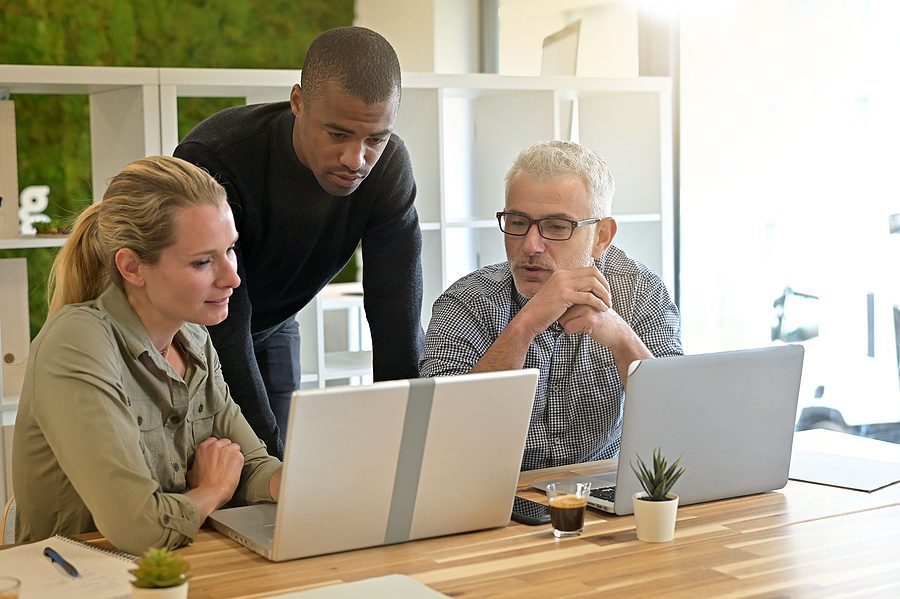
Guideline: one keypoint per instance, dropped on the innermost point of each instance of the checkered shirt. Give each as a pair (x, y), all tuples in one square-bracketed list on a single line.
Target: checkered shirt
[(577, 414)]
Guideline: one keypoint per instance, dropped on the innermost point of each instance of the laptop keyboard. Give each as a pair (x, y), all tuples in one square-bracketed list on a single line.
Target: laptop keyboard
[(605, 494)]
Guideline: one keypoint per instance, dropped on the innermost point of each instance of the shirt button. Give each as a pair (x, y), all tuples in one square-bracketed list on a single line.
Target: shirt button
[(175, 467), (173, 420), (140, 420), (557, 440), (200, 409)]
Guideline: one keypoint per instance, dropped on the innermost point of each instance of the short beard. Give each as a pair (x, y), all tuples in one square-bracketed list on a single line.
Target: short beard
[(582, 261)]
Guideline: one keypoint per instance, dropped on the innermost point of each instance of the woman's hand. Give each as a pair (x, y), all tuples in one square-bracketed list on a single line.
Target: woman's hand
[(215, 474)]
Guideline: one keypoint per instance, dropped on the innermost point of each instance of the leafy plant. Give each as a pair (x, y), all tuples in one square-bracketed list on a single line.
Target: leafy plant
[(659, 481), (159, 568), (54, 227)]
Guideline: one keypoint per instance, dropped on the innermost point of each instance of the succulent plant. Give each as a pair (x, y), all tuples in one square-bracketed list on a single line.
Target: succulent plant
[(159, 568), (659, 481)]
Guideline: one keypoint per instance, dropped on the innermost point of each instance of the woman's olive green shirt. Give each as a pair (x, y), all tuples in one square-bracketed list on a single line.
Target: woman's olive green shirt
[(106, 430)]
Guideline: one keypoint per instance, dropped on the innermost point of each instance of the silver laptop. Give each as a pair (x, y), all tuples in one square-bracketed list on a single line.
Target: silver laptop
[(391, 462), (729, 416)]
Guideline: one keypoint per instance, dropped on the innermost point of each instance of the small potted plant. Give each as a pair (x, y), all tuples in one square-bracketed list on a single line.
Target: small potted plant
[(160, 574), (655, 507)]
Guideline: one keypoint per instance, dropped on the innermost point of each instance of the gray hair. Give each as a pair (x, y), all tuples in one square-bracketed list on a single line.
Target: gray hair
[(549, 159), (359, 60)]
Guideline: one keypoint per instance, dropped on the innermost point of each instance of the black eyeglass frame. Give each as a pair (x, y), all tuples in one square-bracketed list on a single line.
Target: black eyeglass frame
[(532, 222)]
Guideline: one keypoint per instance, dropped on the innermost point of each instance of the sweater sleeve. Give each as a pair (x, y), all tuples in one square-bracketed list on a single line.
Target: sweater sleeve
[(259, 467), (392, 272), (231, 337)]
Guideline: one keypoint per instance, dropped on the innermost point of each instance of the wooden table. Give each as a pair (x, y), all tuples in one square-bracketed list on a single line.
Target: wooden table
[(804, 540)]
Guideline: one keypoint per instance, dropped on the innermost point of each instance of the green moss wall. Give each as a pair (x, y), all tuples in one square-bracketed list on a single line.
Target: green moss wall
[(52, 132)]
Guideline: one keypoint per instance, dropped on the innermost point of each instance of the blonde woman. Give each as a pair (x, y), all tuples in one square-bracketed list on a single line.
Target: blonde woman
[(125, 424)]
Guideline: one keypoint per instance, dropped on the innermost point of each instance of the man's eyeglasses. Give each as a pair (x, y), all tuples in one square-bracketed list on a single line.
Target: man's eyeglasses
[(552, 228)]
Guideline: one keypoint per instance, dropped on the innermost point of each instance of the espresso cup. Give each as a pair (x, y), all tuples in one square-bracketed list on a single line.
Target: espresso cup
[(567, 502)]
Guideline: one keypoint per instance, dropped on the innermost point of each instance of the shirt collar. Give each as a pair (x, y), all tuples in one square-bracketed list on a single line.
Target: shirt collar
[(114, 302)]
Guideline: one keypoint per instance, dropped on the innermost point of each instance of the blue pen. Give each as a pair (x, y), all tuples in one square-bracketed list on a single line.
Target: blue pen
[(57, 558)]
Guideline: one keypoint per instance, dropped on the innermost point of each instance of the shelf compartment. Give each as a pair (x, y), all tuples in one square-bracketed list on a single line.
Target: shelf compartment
[(347, 364), (483, 135), (418, 124), (470, 249), (625, 130)]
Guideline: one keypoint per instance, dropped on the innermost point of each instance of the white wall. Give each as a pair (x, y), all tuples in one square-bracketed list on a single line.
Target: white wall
[(789, 126), (431, 36), (609, 35), (456, 36)]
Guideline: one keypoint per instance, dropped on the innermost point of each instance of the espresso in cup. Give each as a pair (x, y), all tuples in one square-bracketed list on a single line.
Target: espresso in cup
[(567, 512), (567, 503)]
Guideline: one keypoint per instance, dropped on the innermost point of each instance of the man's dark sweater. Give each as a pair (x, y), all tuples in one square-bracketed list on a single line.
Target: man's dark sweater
[(294, 237)]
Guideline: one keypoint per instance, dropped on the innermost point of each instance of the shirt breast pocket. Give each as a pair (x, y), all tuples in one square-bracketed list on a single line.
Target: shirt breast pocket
[(598, 395), (149, 422), (200, 420)]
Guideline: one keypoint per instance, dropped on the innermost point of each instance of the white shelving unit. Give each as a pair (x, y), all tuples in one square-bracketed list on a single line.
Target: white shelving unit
[(124, 109), (462, 131)]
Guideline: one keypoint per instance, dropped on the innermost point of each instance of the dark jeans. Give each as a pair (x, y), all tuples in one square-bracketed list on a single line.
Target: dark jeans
[(278, 356)]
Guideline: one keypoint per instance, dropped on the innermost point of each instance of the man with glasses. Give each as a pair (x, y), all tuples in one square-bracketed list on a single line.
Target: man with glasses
[(567, 302)]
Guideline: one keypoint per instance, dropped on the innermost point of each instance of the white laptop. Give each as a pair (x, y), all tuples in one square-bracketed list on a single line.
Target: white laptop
[(392, 462), (729, 416)]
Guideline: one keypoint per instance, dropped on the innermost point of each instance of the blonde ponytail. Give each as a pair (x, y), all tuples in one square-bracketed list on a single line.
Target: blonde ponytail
[(80, 271)]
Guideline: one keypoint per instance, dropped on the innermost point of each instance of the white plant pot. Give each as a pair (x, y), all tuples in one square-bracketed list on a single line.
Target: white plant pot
[(654, 521), (179, 592)]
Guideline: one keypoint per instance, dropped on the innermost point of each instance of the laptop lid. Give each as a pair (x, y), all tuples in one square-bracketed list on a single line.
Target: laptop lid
[(395, 461), (729, 416)]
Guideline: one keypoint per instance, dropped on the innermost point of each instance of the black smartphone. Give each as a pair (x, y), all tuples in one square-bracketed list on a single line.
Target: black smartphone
[(530, 512)]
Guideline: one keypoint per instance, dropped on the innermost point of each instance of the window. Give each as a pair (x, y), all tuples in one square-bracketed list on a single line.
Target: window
[(789, 124), (789, 133)]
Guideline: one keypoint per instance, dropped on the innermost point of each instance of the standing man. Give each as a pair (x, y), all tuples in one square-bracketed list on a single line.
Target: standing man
[(567, 302), (308, 180)]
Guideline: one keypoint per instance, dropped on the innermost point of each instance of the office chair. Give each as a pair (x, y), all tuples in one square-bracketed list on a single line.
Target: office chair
[(9, 521)]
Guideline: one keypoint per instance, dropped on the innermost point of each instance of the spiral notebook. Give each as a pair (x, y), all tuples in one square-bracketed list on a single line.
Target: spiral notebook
[(102, 573)]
